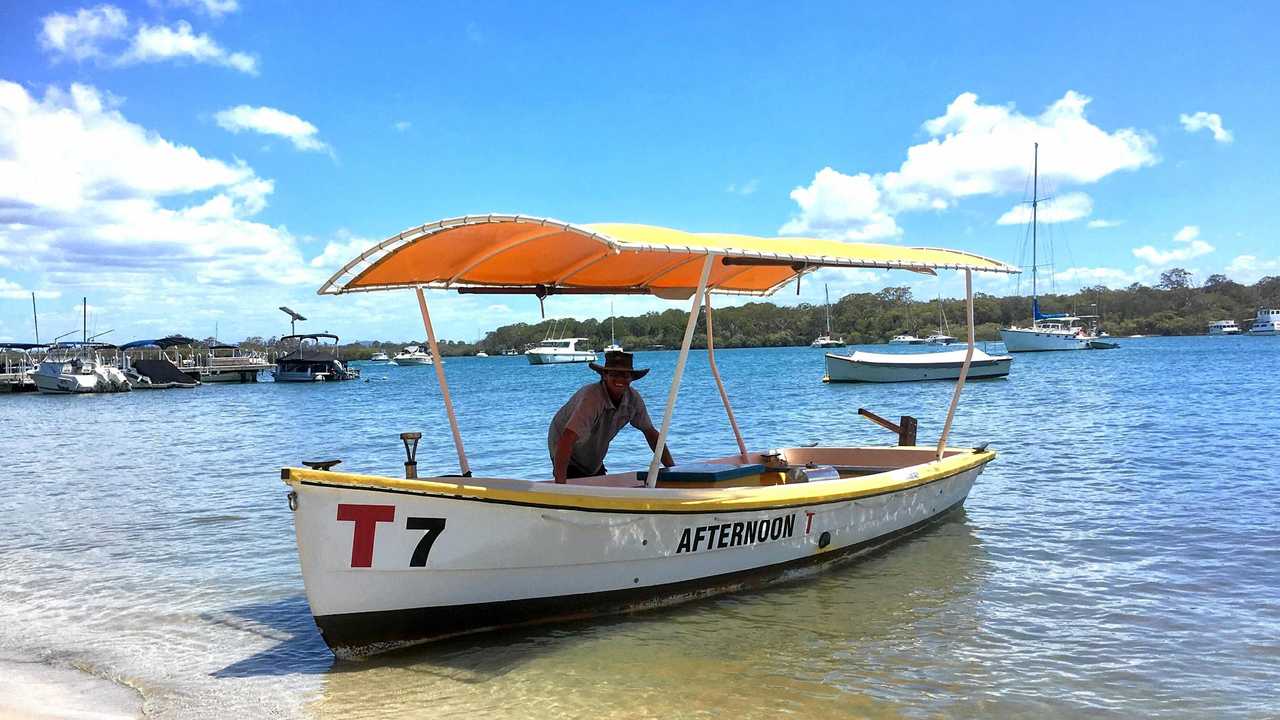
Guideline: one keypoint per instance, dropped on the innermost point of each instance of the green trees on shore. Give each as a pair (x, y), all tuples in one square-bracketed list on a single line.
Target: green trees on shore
[(1175, 306)]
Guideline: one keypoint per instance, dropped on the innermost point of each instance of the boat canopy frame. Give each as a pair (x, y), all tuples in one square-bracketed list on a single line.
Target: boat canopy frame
[(519, 254)]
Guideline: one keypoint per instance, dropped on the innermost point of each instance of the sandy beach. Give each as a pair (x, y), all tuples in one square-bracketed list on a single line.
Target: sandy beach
[(34, 691)]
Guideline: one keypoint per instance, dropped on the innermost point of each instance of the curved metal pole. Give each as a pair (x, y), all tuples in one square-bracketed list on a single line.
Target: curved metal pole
[(652, 478), (964, 369), (444, 386), (715, 372)]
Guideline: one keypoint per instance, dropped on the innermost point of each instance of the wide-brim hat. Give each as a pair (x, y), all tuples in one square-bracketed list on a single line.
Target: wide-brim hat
[(619, 361)]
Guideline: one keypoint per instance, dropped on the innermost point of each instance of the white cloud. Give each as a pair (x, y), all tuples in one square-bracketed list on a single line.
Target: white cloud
[(1111, 277), (13, 291), (1187, 236), (157, 43), (1064, 208), (341, 251), (88, 198), (1099, 224), (77, 36), (848, 207), (747, 188), (1206, 121), (974, 149), (402, 125), (212, 8), (1250, 269), (270, 121)]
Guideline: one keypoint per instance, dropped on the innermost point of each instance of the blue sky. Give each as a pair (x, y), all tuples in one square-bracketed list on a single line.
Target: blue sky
[(186, 163)]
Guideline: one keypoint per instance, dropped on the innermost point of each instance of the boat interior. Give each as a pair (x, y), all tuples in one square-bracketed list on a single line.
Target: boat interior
[(782, 466)]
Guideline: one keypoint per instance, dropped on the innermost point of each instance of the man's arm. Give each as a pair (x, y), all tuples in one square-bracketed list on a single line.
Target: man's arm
[(564, 448), (651, 435)]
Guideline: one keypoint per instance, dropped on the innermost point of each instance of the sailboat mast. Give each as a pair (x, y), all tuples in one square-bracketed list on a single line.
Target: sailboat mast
[(35, 318), (826, 291), (1035, 202)]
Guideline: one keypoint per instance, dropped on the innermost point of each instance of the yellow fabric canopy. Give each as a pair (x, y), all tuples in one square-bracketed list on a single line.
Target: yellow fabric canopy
[(521, 253)]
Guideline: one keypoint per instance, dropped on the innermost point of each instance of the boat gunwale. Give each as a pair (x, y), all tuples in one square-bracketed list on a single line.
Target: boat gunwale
[(643, 500)]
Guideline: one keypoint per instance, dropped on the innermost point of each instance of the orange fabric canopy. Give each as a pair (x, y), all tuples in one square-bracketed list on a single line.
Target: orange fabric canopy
[(522, 253)]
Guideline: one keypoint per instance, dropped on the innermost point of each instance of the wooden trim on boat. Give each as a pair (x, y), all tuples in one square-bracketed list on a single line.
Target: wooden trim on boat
[(660, 500)]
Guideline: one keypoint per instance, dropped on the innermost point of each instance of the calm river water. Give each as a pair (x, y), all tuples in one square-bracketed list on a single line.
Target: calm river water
[(1120, 559)]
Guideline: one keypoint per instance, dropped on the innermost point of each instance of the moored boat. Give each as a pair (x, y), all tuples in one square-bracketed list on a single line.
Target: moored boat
[(389, 562), (312, 360), (906, 339), (826, 341), (1223, 327), (1267, 322), (411, 355), (908, 367), (563, 350), (379, 357)]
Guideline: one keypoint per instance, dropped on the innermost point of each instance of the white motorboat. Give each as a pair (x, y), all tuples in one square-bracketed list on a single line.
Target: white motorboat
[(74, 368), (228, 363), (906, 340), (564, 350), (1267, 322), (826, 341), (412, 355), (939, 338), (482, 353), (909, 367), (1223, 327), (389, 562), (1048, 331), (379, 357), (312, 360)]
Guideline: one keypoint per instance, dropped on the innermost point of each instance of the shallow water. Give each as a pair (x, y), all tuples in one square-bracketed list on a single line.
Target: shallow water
[(1121, 558)]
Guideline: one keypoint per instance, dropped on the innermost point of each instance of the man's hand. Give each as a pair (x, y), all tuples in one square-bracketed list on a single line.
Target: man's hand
[(652, 437)]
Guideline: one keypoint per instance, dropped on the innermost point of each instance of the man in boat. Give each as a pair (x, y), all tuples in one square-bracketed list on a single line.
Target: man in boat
[(582, 429)]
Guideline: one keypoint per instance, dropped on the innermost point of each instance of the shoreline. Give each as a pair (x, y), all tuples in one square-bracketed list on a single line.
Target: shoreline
[(31, 690)]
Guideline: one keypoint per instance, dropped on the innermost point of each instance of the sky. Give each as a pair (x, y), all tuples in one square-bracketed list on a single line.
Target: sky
[(191, 165)]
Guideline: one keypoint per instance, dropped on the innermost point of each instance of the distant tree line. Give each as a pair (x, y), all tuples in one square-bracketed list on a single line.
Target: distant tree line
[(1174, 306)]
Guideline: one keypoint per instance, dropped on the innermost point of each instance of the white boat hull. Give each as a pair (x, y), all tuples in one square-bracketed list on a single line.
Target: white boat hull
[(884, 367), (412, 361), (386, 567), (1029, 340), (540, 358), (55, 378)]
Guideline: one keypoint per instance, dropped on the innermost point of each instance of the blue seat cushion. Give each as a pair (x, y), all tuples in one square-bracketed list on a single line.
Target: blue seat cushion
[(703, 472)]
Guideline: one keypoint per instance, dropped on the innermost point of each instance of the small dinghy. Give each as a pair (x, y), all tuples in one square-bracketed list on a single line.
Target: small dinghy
[(910, 367), (389, 562)]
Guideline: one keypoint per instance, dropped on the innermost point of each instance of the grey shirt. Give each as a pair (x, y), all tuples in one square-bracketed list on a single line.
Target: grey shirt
[(591, 414)]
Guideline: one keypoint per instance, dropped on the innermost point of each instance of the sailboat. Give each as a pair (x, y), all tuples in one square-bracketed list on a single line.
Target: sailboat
[(1048, 331), (826, 341), (940, 336), (613, 345)]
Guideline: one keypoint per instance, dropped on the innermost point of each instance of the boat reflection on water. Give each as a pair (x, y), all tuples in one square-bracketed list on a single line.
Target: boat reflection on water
[(841, 654)]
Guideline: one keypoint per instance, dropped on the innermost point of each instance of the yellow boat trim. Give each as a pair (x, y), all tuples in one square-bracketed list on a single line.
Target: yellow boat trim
[(641, 500), (522, 252)]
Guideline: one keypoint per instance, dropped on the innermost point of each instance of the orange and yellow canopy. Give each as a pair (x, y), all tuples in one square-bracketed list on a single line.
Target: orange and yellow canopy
[(521, 253)]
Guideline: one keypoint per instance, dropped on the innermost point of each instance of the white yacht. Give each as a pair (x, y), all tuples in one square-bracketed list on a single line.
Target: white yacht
[(940, 336), (412, 355), (1048, 331), (64, 373), (482, 354), (564, 350), (906, 340), (826, 341), (1266, 323), (1224, 327), (379, 357)]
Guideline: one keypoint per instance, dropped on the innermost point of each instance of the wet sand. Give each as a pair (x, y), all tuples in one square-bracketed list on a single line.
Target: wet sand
[(36, 691)]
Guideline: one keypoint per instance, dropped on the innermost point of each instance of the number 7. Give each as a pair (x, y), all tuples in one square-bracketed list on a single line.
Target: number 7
[(434, 527)]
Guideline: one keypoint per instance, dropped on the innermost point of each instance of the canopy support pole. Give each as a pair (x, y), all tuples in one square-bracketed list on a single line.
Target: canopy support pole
[(715, 372), (964, 369), (444, 386), (652, 478)]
